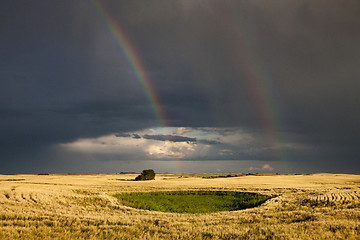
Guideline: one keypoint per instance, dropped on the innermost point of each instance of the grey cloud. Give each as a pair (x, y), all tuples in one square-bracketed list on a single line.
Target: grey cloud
[(136, 136), (208, 142), (174, 138), (171, 138), (122, 135), (133, 135)]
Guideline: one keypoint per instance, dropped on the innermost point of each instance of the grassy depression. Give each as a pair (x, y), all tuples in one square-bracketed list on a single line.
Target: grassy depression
[(192, 201)]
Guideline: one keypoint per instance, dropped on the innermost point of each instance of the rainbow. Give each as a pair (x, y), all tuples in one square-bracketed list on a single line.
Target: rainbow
[(256, 80), (133, 59), (256, 77)]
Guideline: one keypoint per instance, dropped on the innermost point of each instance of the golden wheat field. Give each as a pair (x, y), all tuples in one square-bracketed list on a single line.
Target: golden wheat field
[(317, 206)]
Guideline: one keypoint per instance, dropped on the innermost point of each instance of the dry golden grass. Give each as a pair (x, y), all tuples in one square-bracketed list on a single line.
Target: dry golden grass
[(319, 206)]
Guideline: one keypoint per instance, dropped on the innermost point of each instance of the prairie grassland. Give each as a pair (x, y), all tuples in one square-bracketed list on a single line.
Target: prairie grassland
[(318, 206)]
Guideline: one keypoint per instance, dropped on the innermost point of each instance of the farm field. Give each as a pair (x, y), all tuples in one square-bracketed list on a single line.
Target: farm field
[(317, 206)]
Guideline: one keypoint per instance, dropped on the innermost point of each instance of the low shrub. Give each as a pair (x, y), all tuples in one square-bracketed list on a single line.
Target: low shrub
[(148, 174)]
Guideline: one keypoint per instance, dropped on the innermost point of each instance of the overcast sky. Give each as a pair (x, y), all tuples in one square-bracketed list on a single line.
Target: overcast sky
[(244, 86)]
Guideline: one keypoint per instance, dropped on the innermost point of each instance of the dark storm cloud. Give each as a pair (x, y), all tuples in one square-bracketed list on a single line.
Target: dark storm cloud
[(62, 76), (171, 138)]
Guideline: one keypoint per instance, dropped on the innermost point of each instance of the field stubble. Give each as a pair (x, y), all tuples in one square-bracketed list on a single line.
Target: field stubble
[(319, 206)]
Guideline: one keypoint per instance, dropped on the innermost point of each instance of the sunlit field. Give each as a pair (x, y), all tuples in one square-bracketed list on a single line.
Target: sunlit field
[(318, 206)]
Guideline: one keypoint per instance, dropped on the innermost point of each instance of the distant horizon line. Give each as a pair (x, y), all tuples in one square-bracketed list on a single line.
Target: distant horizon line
[(131, 172)]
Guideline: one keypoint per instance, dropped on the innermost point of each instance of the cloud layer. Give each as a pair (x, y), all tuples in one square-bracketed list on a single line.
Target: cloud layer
[(260, 80)]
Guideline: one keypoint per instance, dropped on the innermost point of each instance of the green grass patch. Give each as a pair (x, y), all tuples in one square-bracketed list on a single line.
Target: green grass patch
[(192, 201)]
